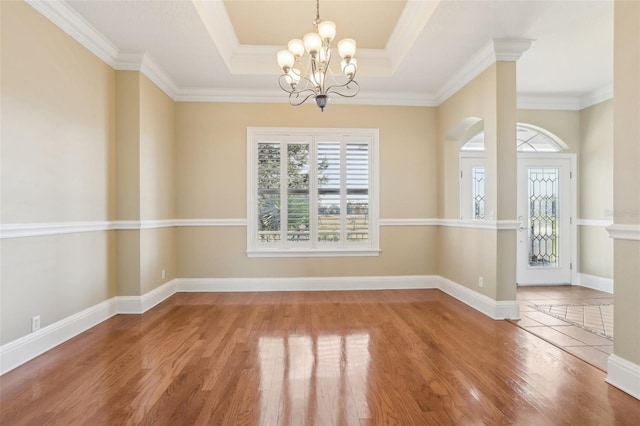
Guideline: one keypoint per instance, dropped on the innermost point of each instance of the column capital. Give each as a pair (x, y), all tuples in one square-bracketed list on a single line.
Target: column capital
[(509, 49)]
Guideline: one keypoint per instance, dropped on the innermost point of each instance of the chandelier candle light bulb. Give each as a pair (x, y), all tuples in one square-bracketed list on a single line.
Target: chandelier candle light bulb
[(318, 81)]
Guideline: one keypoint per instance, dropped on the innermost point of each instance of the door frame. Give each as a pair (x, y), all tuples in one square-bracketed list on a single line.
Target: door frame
[(573, 205)]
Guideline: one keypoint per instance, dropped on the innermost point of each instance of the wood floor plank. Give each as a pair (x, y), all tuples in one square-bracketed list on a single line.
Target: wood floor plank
[(310, 358)]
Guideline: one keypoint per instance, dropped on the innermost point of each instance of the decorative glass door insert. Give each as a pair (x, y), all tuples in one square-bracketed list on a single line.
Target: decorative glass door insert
[(543, 216)]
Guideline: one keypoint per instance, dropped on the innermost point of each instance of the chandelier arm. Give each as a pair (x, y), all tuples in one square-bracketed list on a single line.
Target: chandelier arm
[(283, 87), (303, 80), (336, 87), (296, 99)]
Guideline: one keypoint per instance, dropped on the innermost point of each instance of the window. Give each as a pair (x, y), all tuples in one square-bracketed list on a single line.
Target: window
[(472, 186), (312, 192), (477, 196), (529, 138)]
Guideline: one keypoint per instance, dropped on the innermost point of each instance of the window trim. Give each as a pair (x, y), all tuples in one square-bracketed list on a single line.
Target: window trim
[(259, 134)]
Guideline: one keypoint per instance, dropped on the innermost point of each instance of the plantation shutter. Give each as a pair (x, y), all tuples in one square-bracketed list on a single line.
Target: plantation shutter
[(357, 183)]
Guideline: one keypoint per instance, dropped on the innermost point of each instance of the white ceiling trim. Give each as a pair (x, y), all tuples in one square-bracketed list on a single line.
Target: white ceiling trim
[(69, 21), (198, 94), (550, 101), (252, 60), (564, 102), (494, 50), (134, 61), (379, 62), (597, 96)]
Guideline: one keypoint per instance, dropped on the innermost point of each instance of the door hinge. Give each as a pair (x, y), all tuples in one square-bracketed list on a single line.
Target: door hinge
[(570, 221), (460, 174), (570, 175), (571, 266)]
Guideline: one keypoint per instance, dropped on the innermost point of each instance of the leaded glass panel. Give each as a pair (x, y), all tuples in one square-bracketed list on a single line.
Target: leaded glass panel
[(543, 216), (478, 193)]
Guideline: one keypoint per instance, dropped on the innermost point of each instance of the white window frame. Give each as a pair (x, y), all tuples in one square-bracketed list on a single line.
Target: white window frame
[(256, 135), (469, 161)]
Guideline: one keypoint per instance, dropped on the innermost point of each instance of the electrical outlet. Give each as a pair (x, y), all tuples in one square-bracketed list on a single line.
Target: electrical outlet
[(163, 274), (480, 282), (35, 323)]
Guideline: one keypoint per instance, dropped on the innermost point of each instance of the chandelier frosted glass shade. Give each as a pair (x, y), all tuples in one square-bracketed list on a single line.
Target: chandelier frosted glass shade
[(319, 80)]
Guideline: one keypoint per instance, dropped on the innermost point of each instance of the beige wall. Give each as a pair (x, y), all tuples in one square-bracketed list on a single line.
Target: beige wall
[(626, 177), (157, 184), (146, 180), (157, 152), (465, 254), (57, 165), (490, 97), (595, 251), (211, 149), (211, 184), (595, 188), (596, 162), (220, 253), (128, 145), (563, 124), (470, 102)]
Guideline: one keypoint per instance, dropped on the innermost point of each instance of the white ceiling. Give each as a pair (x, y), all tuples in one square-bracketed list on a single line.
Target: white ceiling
[(419, 51)]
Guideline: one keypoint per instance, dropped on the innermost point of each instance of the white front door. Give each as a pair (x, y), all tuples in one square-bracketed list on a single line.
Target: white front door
[(544, 213)]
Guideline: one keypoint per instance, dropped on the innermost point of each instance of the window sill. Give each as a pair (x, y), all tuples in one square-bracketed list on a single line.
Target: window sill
[(313, 253)]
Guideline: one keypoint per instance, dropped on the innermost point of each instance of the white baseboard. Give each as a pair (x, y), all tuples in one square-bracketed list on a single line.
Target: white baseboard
[(497, 310), (596, 283), (26, 348), (624, 375), (17, 352), (306, 284), (141, 304)]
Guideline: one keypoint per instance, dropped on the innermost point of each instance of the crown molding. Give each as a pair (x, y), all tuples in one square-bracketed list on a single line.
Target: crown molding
[(69, 21), (244, 59), (254, 60), (603, 94), (158, 76), (129, 61), (276, 96), (144, 63), (564, 102), (548, 101), (510, 49), (230, 95), (478, 63), (495, 50)]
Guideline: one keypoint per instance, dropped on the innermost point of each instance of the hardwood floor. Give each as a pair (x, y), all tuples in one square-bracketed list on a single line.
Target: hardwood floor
[(324, 358)]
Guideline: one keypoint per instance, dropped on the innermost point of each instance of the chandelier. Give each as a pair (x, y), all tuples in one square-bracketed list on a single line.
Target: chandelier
[(319, 80)]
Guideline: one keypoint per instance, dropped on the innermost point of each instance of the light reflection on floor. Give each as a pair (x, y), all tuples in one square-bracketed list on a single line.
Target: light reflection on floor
[(305, 378)]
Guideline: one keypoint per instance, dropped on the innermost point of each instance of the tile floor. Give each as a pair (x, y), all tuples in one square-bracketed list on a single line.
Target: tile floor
[(578, 319)]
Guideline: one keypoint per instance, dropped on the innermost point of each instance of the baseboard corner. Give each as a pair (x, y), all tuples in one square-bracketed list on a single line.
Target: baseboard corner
[(624, 375), (497, 310)]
